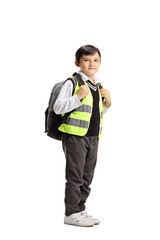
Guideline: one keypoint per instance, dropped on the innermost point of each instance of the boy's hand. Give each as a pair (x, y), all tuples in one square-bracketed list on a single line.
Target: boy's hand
[(105, 93), (83, 91)]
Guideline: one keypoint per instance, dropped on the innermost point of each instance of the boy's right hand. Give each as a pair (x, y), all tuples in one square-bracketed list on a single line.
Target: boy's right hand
[(83, 91)]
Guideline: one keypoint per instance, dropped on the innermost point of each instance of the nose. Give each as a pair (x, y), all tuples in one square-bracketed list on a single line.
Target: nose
[(91, 62)]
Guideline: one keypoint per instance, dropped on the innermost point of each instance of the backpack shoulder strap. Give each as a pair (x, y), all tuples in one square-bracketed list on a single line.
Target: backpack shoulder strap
[(79, 79), (73, 82), (74, 79), (100, 85)]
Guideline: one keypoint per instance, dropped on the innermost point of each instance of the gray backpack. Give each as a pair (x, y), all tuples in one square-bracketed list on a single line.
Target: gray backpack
[(53, 120)]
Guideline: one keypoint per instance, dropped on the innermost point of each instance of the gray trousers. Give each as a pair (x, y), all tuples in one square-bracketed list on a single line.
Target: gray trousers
[(81, 158)]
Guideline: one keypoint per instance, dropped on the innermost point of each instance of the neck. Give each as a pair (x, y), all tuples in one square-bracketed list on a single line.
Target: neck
[(91, 78)]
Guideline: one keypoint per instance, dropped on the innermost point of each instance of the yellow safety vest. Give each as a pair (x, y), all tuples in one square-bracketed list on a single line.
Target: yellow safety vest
[(77, 123)]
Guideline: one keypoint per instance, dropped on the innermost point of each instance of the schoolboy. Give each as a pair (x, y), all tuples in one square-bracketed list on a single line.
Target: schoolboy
[(81, 133)]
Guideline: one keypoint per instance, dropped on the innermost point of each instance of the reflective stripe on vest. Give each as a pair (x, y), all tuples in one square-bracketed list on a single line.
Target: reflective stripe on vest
[(78, 121), (83, 108)]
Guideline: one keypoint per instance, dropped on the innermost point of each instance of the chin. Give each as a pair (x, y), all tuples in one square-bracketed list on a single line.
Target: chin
[(92, 72)]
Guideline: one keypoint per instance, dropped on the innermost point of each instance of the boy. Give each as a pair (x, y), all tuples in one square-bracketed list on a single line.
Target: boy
[(81, 133)]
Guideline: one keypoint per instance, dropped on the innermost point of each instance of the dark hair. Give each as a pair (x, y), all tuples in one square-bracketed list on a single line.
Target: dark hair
[(86, 50)]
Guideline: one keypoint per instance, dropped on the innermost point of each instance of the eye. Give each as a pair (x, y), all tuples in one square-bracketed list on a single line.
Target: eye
[(85, 60)]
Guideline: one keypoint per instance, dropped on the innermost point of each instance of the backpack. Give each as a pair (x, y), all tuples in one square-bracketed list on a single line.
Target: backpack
[(53, 120)]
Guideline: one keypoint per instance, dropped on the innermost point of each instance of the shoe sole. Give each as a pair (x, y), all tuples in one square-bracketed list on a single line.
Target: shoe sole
[(97, 223), (72, 224)]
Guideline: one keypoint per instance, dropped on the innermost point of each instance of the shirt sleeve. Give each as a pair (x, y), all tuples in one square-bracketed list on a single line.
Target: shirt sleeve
[(65, 101), (106, 109)]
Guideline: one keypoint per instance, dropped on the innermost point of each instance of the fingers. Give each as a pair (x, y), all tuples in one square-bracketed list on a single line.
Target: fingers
[(83, 91), (105, 92)]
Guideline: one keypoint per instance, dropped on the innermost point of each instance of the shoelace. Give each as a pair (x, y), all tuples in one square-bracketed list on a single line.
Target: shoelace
[(86, 215), (78, 217), (89, 217)]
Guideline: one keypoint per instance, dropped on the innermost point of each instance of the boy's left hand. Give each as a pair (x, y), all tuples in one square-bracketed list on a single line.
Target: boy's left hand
[(105, 93)]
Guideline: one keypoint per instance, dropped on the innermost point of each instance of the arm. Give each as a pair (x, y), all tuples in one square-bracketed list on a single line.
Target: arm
[(107, 103), (65, 101)]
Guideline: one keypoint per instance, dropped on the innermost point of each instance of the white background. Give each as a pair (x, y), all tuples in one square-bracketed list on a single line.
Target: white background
[(37, 46)]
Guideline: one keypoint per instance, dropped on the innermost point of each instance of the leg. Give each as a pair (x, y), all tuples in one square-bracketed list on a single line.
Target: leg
[(75, 149), (90, 163)]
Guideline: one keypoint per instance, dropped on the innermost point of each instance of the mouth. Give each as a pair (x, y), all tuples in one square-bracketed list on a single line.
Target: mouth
[(91, 68)]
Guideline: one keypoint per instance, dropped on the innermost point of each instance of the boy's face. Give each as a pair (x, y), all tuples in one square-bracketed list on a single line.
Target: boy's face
[(89, 64)]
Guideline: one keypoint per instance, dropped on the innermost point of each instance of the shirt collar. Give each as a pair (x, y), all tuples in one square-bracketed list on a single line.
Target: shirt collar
[(85, 78)]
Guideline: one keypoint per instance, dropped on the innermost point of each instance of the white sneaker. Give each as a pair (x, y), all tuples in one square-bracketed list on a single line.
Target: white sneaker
[(95, 220), (79, 219)]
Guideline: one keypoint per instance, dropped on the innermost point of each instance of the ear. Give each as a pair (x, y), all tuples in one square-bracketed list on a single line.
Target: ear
[(76, 63)]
